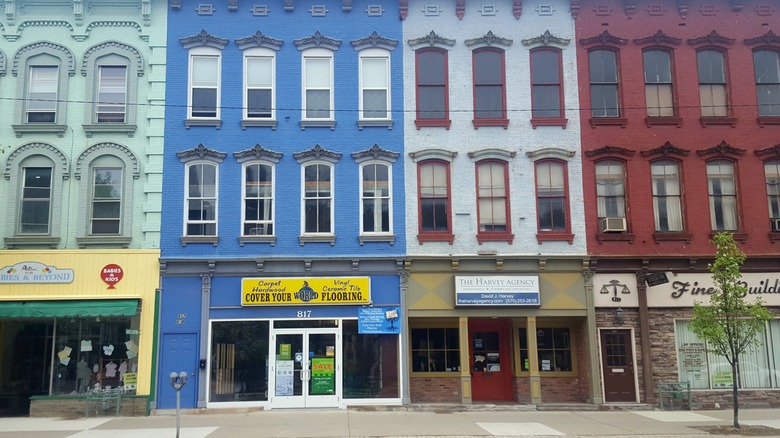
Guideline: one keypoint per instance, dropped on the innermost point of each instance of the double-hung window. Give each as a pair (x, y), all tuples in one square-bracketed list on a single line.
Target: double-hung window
[(551, 193), (258, 208), (767, 71), (489, 87), (432, 88), (603, 83), (106, 201), (36, 200), (205, 84), (374, 84), (318, 198), (44, 69), (772, 175), (712, 83), (259, 77), (667, 203), (318, 84), (201, 199), (611, 195), (434, 200), (375, 198), (493, 198), (42, 94), (658, 83), (546, 84), (722, 187), (111, 106)]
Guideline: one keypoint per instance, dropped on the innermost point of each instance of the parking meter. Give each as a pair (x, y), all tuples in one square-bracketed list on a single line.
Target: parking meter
[(178, 380)]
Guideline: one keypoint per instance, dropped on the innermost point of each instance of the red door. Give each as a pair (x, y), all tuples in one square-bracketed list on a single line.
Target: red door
[(491, 366), (618, 362)]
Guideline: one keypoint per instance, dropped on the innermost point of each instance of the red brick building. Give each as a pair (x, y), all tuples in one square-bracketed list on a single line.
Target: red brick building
[(680, 111)]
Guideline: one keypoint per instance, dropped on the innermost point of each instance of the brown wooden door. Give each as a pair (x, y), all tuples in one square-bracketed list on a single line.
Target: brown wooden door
[(617, 361), (491, 365)]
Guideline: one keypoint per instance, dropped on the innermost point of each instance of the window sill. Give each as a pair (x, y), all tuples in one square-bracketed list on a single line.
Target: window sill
[(388, 238), (550, 121), (102, 128), (608, 121), (104, 241), (495, 237), (665, 236), (433, 123), (40, 128), (214, 240), (441, 237), (217, 123), (318, 124), (762, 121), (711, 121), (615, 237), (663, 121), (554, 237), (258, 123), (317, 238), (375, 124), (739, 237), (32, 241), (774, 236), (257, 239), (504, 123)]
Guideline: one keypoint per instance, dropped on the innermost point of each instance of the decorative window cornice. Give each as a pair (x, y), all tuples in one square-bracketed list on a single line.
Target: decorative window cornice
[(712, 38), (43, 23), (665, 149), (433, 154), (374, 41), (44, 47), (201, 153), (488, 40), (44, 149), (767, 38), (375, 152), (604, 38), (111, 23), (546, 153), (259, 40), (317, 153), (431, 40), (257, 153), (109, 149), (767, 152), (204, 39), (658, 38), (112, 47), (546, 39), (317, 40), (721, 149), (492, 153), (610, 150)]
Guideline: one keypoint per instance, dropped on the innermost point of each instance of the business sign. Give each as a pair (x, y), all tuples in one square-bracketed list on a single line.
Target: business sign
[(35, 272), (111, 275), (379, 320), (305, 291), (497, 290), (323, 376)]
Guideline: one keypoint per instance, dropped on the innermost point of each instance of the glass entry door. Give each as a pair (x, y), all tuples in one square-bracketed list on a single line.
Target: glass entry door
[(306, 368)]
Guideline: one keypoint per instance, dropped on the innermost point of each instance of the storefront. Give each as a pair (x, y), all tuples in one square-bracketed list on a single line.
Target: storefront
[(518, 333), (678, 354), (281, 342), (73, 323)]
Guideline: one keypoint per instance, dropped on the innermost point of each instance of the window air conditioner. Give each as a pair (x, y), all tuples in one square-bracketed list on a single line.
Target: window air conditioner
[(613, 225), (775, 224)]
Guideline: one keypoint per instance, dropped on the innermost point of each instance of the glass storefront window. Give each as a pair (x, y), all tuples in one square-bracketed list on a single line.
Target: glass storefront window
[(370, 364), (435, 350), (239, 361), (553, 346)]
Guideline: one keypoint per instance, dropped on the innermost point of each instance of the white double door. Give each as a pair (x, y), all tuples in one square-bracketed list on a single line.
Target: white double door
[(306, 369)]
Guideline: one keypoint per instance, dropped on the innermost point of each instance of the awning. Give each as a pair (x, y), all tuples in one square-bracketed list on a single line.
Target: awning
[(68, 308)]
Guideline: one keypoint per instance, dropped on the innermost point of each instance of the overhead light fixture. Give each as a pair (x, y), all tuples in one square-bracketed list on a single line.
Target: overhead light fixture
[(619, 315)]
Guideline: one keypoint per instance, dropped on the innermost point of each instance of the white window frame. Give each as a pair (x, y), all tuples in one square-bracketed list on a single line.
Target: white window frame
[(52, 106), (317, 54), (375, 54), (389, 198), (204, 52), (93, 201), (272, 221), (663, 189), (99, 87), (729, 210), (259, 53), (332, 198), (187, 199)]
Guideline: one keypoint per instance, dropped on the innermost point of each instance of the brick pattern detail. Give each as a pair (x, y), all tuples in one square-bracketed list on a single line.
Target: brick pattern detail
[(435, 389)]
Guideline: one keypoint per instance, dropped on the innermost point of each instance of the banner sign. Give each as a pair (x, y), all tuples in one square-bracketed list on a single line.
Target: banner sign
[(497, 290), (323, 376), (303, 291), (378, 320), (34, 272)]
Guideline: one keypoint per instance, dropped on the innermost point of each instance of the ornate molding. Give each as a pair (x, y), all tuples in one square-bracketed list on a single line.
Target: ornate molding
[(492, 154), (29, 149), (712, 38), (114, 23), (721, 149), (375, 152), (403, 9), (610, 150), (488, 40), (517, 8), (433, 154), (204, 39), (665, 149), (682, 7), (460, 8), (44, 47), (432, 39), (629, 8), (546, 39), (259, 40), (109, 147), (767, 38), (574, 7), (772, 151), (317, 153), (659, 38), (201, 152), (604, 38), (317, 40), (42, 23), (374, 41), (2, 63), (257, 153), (557, 153), (112, 46)]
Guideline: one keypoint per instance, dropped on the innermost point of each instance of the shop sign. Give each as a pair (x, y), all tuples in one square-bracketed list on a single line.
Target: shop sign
[(111, 275), (497, 290), (323, 376), (302, 291), (35, 272), (378, 320), (683, 290)]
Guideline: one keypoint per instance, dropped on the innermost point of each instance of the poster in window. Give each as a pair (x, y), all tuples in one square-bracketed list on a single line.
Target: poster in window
[(284, 377), (323, 376)]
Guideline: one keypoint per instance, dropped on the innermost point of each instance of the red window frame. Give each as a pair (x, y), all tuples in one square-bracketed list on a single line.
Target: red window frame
[(489, 121), (428, 235), (501, 235), (538, 83), (553, 235), (663, 119), (428, 122)]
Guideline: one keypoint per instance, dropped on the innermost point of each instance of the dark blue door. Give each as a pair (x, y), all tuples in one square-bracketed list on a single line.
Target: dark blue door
[(179, 353)]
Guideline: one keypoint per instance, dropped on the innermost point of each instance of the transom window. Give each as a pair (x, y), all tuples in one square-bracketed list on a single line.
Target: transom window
[(374, 84), (42, 94), (610, 189), (258, 217), (204, 84), (318, 85), (551, 195), (434, 192), (259, 98), (667, 204), (112, 94), (712, 83), (318, 198), (36, 200), (201, 199), (603, 83), (658, 83), (375, 198), (106, 207), (489, 101), (546, 84), (722, 186), (767, 69), (492, 200), (432, 89)]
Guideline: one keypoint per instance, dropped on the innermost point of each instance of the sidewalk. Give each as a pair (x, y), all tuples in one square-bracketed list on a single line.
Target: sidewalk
[(392, 423)]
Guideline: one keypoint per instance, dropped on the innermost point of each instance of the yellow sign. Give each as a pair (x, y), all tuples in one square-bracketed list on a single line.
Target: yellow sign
[(302, 291)]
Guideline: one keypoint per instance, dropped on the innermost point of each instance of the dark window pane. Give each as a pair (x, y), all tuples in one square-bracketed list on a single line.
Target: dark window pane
[(430, 68), (604, 100), (603, 66), (259, 103), (544, 67), (546, 101), (489, 101), (487, 67), (710, 64), (430, 102), (204, 102)]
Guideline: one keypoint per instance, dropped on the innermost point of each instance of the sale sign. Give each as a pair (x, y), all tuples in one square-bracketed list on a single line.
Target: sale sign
[(111, 275)]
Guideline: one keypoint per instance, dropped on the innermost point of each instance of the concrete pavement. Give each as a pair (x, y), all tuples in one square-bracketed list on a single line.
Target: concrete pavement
[(390, 423)]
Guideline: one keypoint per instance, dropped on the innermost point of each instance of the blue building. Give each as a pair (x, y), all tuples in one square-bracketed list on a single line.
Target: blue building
[(283, 229)]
